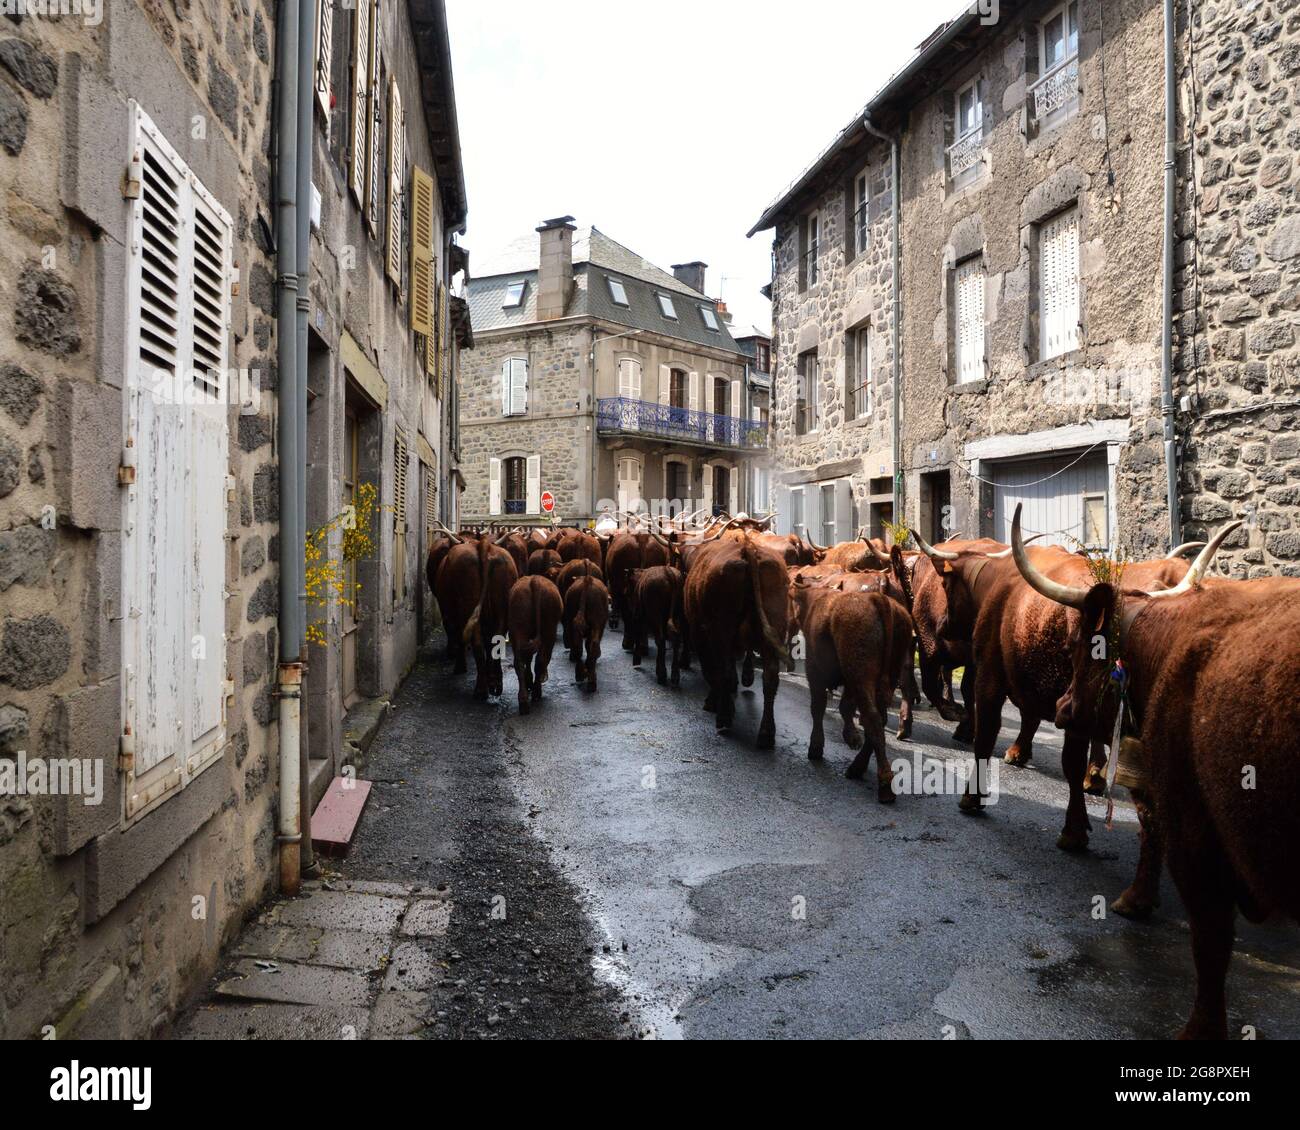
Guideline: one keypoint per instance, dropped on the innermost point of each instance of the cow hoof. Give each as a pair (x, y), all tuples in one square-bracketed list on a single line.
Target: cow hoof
[(747, 677), (853, 773), (662, 680), (971, 804), (1128, 905), (636, 661), (885, 794), (537, 694), (814, 754), (1015, 756), (1073, 842), (904, 733), (523, 707), (964, 734), (675, 682), (591, 685), (765, 740), (853, 738)]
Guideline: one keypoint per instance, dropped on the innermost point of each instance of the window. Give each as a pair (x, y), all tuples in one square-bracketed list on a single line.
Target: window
[(617, 292), (1059, 37), (401, 459), (666, 307), (861, 210), (807, 415), (970, 113), (516, 485), (968, 283), (796, 512), (324, 51), (677, 485), (1058, 284), (173, 568), (762, 358), (514, 294), (710, 318), (629, 378), (375, 119), (858, 398), (828, 535), (967, 148), (514, 386), (812, 230), (629, 483), (679, 389)]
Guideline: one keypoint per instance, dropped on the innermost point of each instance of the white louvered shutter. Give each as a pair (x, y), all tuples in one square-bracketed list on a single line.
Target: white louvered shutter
[(519, 385), (665, 384), (396, 178), (494, 486), (360, 100), (324, 50), (375, 179), (706, 485), (970, 320), (782, 525), (735, 399), (174, 514), (534, 471), (629, 379), (733, 477), (844, 509), (695, 392), (1059, 284)]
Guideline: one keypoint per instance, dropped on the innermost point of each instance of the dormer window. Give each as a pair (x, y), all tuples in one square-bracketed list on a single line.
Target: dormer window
[(710, 318), (666, 307), (514, 295), (617, 292)]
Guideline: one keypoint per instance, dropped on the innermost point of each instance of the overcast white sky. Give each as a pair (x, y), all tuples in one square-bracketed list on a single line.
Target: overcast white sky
[(669, 126)]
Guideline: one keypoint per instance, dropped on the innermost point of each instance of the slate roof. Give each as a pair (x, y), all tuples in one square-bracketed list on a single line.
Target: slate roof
[(596, 259)]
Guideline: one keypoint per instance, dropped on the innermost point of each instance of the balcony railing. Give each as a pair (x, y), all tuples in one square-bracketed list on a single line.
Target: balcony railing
[(1056, 90), (618, 414), (965, 154)]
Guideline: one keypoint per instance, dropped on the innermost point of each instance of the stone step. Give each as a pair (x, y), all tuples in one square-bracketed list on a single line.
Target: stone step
[(336, 817)]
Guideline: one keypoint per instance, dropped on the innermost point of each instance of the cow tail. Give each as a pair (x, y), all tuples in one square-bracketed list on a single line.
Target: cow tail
[(472, 634), (580, 618), (900, 572), (769, 633)]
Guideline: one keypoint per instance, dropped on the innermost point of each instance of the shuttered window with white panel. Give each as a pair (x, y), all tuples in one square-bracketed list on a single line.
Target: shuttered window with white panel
[(375, 179), (1058, 280), (534, 496), (969, 300), (360, 101), (324, 50), (494, 486), (174, 514), (514, 386), (629, 378), (396, 181)]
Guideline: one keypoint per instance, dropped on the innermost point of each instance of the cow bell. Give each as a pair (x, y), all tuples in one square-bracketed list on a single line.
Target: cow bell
[(1132, 770)]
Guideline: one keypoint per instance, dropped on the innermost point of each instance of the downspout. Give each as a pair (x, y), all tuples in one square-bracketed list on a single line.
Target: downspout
[(1167, 325), (895, 318), (291, 534), (306, 93)]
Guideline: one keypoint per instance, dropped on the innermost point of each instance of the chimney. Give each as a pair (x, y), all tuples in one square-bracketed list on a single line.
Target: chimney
[(692, 274), (555, 268), (723, 312)]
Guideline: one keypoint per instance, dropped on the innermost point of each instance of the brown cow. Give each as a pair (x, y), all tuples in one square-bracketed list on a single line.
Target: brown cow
[(572, 570), (736, 601), (858, 640), (544, 563), (586, 611), (512, 541), (630, 550), (855, 556), (1195, 656), (534, 611), (577, 544), (655, 605), (493, 576), (1018, 642)]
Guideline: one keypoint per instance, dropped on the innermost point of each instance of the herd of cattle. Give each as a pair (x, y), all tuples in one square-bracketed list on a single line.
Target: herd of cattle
[(1193, 678)]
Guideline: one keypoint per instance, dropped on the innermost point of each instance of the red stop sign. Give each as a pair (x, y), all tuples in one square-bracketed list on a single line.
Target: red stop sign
[(548, 501)]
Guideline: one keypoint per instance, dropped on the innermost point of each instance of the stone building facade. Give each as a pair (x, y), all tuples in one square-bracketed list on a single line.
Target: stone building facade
[(583, 383), (140, 547), (1030, 272)]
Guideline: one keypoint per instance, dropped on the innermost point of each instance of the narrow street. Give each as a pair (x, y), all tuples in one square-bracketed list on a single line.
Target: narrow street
[(653, 874)]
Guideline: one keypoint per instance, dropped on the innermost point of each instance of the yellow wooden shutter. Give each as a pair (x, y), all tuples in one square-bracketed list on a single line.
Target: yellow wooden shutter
[(324, 50), (422, 253), (396, 157), (360, 93)]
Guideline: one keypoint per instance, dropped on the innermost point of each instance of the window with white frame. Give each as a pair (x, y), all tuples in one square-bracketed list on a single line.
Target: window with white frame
[(178, 284), (1058, 284), (797, 511), (1059, 36), (666, 307), (629, 378), (807, 415), (970, 112), (629, 483), (968, 331), (515, 484), (859, 393), (514, 296), (617, 292), (812, 248), (514, 386), (710, 318), (1056, 92), (861, 213), (828, 534)]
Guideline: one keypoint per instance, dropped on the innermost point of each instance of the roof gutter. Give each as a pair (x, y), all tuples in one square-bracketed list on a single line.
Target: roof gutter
[(895, 319)]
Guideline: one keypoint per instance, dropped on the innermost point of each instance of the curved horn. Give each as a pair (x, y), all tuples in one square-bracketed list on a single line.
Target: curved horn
[(1003, 554), (929, 550), (1197, 571), (809, 540), (714, 537), (1068, 595), (455, 540), (1186, 547)]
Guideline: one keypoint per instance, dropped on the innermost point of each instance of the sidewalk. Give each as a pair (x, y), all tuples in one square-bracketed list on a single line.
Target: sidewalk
[(447, 919)]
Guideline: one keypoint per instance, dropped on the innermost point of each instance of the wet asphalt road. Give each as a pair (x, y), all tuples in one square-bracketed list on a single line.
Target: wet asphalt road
[(695, 852)]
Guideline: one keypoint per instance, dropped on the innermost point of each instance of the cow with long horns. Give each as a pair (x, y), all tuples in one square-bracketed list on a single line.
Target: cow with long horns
[(1222, 780)]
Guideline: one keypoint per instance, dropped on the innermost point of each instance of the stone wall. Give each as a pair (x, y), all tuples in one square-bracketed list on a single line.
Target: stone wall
[(852, 289), (557, 425), (104, 928), (1238, 286)]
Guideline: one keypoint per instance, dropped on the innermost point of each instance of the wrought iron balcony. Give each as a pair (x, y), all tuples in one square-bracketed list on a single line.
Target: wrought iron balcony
[(965, 154), (619, 415), (1056, 89)]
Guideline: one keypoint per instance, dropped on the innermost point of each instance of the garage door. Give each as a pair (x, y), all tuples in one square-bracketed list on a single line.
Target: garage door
[(1065, 497)]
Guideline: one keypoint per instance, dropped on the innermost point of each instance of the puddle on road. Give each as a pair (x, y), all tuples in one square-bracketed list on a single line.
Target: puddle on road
[(653, 1020)]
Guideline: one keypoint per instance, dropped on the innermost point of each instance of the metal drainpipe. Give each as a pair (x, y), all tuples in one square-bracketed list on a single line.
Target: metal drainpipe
[(1167, 327), (306, 97), (291, 535), (895, 318)]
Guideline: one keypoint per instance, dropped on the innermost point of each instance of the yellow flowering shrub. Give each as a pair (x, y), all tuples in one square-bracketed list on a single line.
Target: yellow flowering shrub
[(326, 575)]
